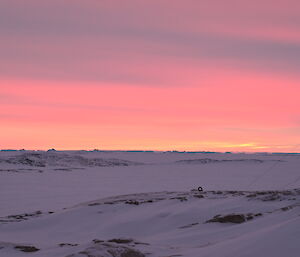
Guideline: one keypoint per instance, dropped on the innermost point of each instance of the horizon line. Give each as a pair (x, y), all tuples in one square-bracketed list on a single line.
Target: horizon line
[(139, 150)]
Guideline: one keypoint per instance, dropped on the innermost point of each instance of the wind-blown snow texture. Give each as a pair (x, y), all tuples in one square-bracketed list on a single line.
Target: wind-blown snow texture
[(135, 204)]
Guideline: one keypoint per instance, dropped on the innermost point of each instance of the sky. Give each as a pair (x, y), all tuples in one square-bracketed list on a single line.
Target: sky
[(194, 75)]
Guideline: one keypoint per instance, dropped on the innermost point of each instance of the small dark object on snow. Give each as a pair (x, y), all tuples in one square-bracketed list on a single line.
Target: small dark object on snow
[(200, 189)]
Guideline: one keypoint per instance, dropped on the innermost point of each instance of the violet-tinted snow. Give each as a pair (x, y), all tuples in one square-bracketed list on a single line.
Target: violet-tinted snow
[(59, 202)]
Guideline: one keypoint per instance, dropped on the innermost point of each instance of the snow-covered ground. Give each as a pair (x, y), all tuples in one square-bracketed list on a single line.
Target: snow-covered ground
[(134, 204)]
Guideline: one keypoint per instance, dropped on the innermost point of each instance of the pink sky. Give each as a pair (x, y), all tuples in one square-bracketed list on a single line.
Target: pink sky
[(161, 75)]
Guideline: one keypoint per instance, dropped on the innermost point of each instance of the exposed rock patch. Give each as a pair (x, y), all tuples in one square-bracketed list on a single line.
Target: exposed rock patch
[(67, 244), (233, 218), (21, 217), (121, 241), (208, 161), (44, 159), (111, 248), (27, 248)]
